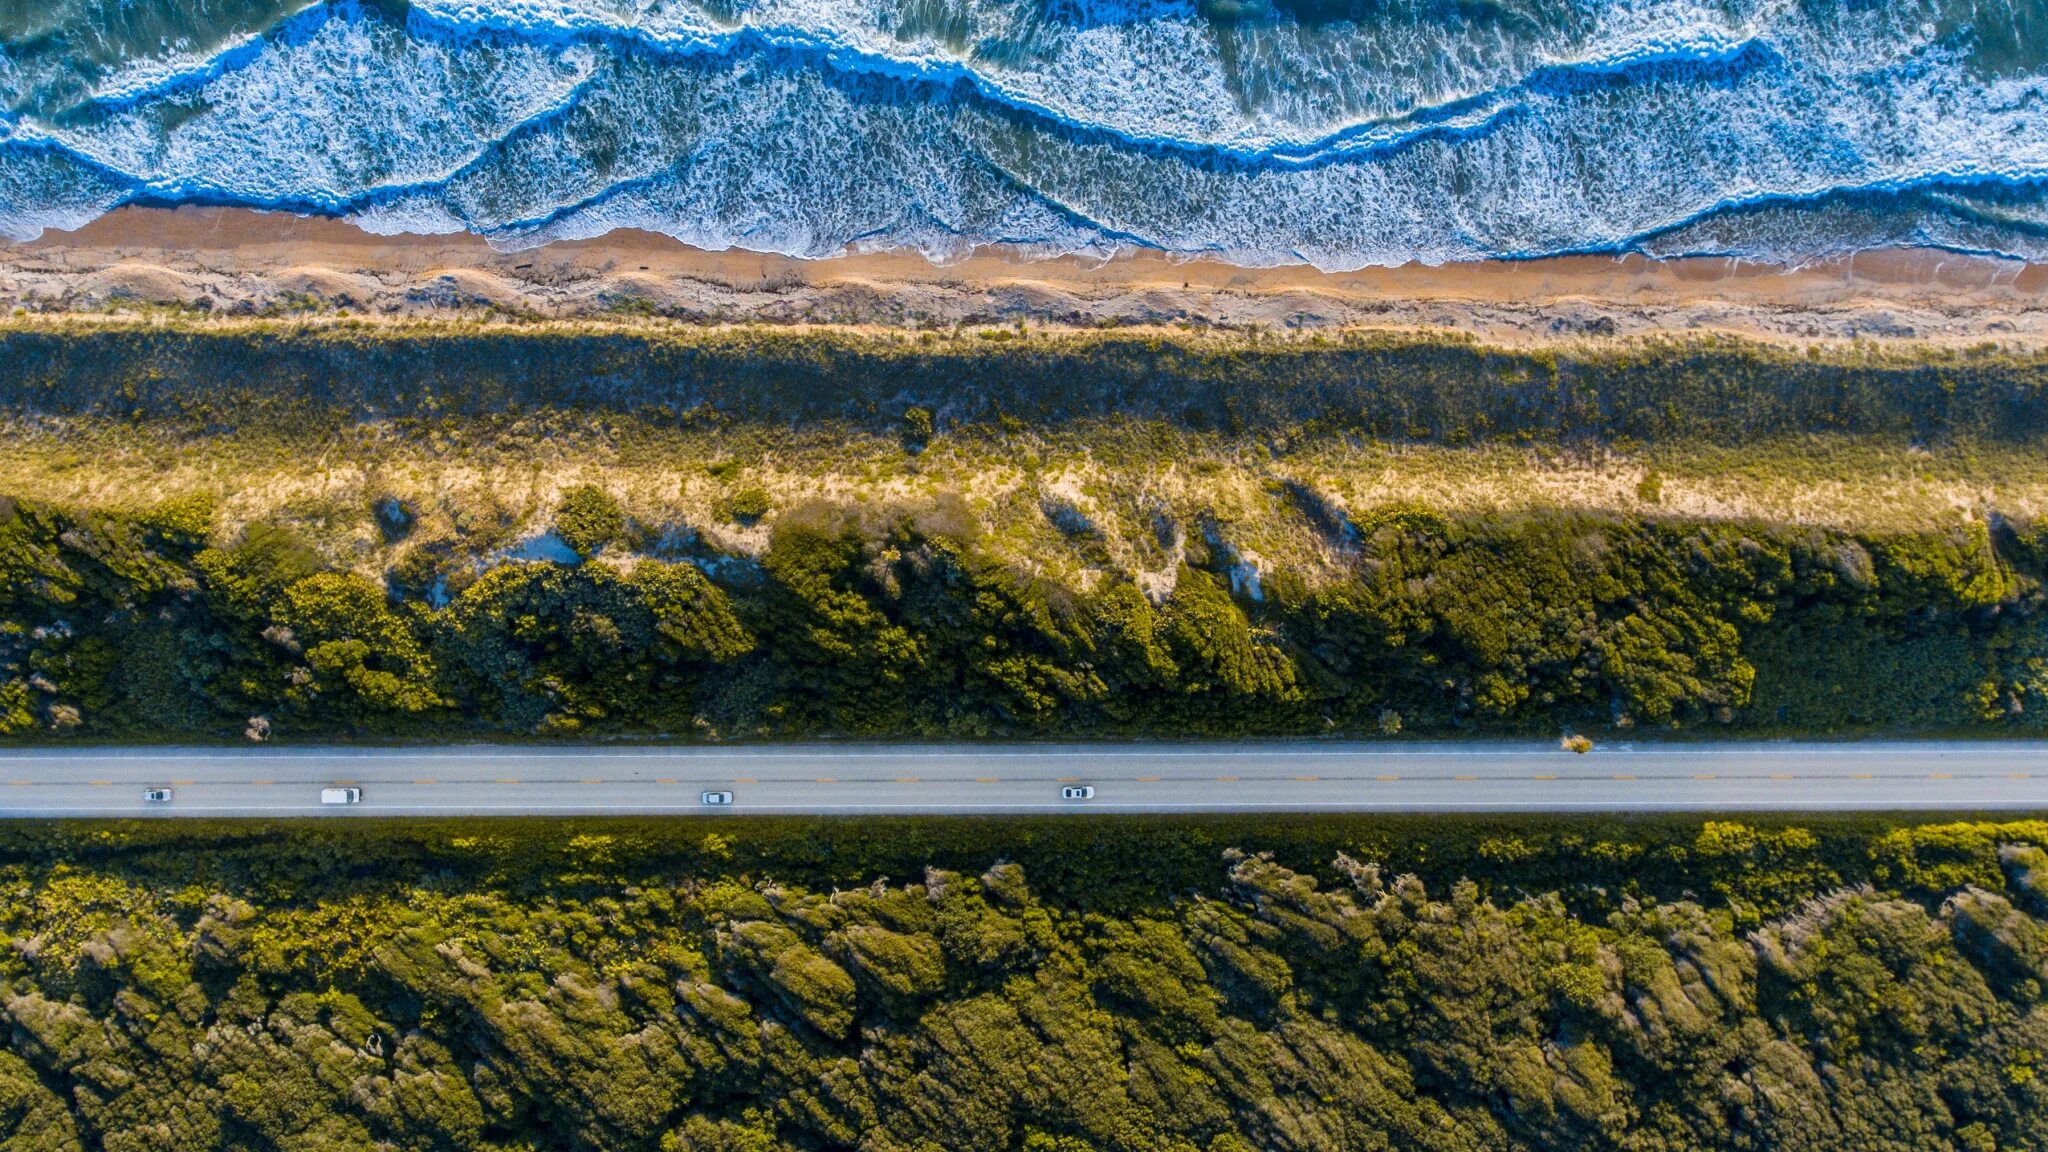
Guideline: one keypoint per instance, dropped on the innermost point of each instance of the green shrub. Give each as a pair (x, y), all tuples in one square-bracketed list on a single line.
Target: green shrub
[(747, 505), (903, 625), (918, 428), (588, 520)]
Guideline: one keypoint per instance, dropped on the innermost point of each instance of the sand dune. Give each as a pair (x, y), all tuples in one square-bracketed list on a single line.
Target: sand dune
[(234, 262)]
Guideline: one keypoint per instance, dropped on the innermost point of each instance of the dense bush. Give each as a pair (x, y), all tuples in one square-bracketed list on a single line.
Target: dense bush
[(588, 520), (132, 625), (624, 985)]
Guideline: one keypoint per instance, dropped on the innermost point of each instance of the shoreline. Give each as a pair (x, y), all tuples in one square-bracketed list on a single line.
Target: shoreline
[(237, 262)]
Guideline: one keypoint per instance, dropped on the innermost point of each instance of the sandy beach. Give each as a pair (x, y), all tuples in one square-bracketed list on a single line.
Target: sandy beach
[(235, 262)]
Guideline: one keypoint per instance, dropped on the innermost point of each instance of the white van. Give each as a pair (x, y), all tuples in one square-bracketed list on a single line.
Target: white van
[(341, 795)]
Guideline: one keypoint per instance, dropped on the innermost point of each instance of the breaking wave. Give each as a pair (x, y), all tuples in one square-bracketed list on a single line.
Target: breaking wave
[(1341, 133)]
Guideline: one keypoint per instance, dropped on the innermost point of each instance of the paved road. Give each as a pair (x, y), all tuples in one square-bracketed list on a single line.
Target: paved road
[(992, 779)]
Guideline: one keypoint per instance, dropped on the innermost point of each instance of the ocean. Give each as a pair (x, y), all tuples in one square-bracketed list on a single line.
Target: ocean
[(1337, 133)]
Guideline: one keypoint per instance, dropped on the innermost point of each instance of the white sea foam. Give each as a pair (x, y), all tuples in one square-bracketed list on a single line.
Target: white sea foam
[(807, 126)]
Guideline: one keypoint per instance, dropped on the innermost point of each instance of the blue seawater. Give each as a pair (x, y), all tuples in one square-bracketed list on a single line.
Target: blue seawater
[(1339, 133)]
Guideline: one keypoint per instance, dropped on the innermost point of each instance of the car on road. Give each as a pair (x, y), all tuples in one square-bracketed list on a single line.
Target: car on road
[(1078, 792), (717, 799), (156, 795), (341, 795)]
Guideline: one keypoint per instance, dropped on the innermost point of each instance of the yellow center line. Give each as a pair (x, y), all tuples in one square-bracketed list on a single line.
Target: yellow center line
[(1228, 779), (664, 780), (1070, 780), (745, 780), (1464, 777), (261, 783), (906, 779), (508, 780), (1862, 776), (1940, 776), (1703, 776), (825, 780), (2018, 776), (986, 780), (21, 783), (1623, 776), (423, 781), (1544, 776), (1148, 779), (590, 781), (338, 783), (182, 783), (1781, 775), (1388, 778), (1308, 777)]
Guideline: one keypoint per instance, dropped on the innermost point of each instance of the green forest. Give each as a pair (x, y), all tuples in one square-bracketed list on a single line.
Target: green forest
[(142, 625), (1321, 984)]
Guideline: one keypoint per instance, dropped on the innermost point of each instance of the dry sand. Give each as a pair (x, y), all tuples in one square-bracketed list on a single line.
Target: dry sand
[(234, 262)]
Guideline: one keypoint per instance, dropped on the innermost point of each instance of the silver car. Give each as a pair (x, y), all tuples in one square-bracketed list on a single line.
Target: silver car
[(717, 799)]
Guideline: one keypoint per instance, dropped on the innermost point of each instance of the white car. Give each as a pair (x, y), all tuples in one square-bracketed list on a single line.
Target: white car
[(156, 796), (1078, 792), (717, 799), (341, 795)]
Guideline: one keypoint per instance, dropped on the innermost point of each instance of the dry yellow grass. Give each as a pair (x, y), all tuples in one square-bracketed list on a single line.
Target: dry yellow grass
[(1068, 504)]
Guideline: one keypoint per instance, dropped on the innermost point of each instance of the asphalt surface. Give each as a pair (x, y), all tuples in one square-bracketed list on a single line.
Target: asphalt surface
[(853, 779)]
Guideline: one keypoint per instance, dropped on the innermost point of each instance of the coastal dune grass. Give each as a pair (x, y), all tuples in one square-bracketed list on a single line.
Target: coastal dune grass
[(588, 531)]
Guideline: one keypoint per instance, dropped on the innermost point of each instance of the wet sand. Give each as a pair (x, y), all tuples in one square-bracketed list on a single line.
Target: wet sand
[(234, 262)]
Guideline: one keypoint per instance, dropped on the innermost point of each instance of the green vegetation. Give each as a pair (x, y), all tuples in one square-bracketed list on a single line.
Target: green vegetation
[(1389, 387), (1082, 985), (748, 504), (896, 621), (588, 520), (298, 531)]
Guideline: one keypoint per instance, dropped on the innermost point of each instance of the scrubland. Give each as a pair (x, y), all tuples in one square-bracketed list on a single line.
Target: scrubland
[(640, 530), (1324, 984)]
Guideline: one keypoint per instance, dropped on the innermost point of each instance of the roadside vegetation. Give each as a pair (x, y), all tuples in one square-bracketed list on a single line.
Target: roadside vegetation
[(895, 620), (1325, 984), (273, 532)]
